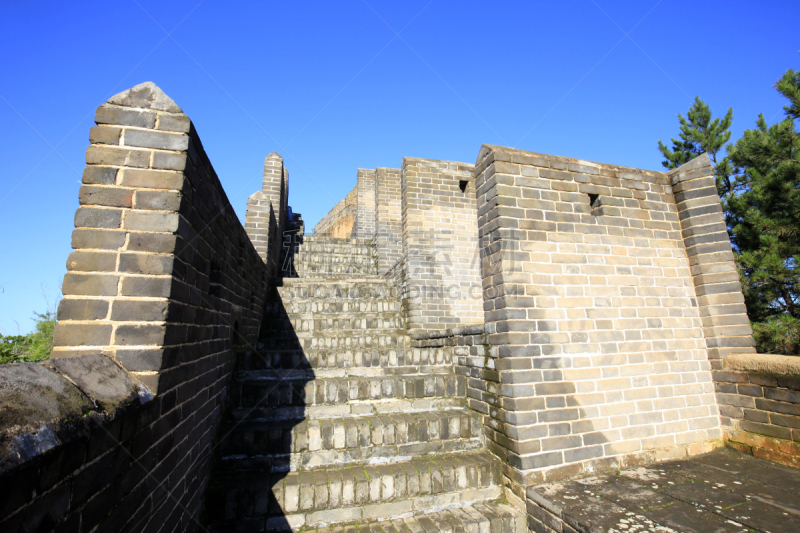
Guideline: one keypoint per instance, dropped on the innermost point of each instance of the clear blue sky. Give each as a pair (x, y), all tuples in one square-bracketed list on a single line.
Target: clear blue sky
[(332, 87)]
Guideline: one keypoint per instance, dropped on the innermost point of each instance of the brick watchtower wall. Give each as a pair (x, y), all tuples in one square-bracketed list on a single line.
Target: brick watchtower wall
[(440, 244), (115, 432), (597, 353)]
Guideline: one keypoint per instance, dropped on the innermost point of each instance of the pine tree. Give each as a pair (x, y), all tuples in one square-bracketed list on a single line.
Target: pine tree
[(764, 221), (700, 134)]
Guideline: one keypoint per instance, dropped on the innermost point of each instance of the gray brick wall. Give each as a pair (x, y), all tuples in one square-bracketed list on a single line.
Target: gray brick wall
[(161, 279), (364, 227), (265, 219), (597, 346), (388, 218), (440, 244)]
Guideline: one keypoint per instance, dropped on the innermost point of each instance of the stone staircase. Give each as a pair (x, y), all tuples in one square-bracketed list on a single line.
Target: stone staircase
[(336, 423)]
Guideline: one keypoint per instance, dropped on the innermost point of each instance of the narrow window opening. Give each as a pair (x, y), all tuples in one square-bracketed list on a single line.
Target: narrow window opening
[(463, 185), (593, 199)]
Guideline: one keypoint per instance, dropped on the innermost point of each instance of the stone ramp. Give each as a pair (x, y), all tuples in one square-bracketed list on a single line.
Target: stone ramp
[(723, 491)]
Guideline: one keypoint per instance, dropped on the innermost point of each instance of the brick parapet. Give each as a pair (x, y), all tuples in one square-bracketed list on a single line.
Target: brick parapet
[(439, 244), (364, 227), (595, 337), (726, 326), (759, 403), (165, 283), (388, 218), (265, 218)]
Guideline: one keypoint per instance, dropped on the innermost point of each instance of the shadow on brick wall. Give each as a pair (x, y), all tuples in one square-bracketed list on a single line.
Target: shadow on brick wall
[(253, 447)]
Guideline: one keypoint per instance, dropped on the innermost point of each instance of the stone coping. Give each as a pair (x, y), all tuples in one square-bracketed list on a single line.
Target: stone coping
[(764, 363), (471, 329), (44, 405)]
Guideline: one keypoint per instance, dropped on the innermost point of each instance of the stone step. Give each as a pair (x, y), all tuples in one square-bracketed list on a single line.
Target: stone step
[(402, 358), (320, 289), (312, 247), (281, 444), (334, 494), (336, 340), (305, 270), (295, 324), (269, 396), (331, 306), (482, 517)]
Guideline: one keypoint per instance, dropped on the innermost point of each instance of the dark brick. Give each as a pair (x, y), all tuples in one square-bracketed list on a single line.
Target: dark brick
[(125, 117), (104, 135), (98, 218), (179, 123), (169, 161), (152, 179), (138, 311), (146, 286), (153, 243), (92, 262), (105, 196), (139, 335), (149, 221), (90, 284), (98, 239), (93, 175), (146, 264), (71, 309), (158, 200), (82, 334), (116, 156), (156, 139)]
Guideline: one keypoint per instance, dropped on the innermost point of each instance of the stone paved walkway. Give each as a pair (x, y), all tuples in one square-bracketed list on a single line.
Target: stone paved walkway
[(718, 492)]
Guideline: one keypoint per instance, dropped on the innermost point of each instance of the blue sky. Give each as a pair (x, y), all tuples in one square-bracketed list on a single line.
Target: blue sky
[(334, 86)]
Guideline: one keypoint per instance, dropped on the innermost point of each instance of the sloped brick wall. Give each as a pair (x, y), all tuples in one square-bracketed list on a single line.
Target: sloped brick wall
[(163, 283)]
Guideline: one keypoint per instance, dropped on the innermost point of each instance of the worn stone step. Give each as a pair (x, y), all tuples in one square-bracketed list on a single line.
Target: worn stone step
[(328, 270), (386, 358), (320, 289), (339, 322), (336, 340), (280, 444), (269, 396), (337, 247), (329, 306), (480, 517), (334, 494)]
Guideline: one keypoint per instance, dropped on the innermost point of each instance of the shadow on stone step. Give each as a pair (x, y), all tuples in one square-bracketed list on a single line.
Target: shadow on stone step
[(253, 447)]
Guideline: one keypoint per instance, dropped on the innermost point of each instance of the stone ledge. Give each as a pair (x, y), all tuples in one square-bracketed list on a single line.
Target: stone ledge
[(763, 363), (44, 405)]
